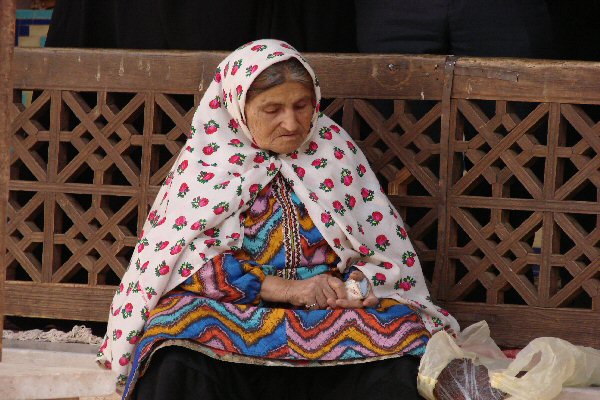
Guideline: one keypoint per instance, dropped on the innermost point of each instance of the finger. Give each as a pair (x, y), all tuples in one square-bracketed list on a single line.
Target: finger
[(332, 303), (370, 301), (338, 286), (321, 299), (329, 293)]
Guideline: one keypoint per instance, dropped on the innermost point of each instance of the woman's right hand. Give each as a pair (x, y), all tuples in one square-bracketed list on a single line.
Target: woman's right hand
[(318, 292)]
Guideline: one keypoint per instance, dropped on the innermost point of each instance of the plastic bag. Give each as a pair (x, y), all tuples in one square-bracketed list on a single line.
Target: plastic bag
[(463, 380), (538, 372), (551, 364), (475, 344)]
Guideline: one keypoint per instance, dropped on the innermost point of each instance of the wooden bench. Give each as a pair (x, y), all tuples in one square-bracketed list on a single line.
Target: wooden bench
[(478, 154)]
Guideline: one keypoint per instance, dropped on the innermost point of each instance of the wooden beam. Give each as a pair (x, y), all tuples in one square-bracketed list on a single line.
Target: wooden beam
[(373, 76), (7, 37), (59, 301), (527, 80), (514, 326)]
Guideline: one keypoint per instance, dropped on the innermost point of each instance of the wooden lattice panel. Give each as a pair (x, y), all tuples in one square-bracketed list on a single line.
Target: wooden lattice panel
[(509, 171), (87, 162), (519, 170), (84, 167), (84, 162), (493, 165)]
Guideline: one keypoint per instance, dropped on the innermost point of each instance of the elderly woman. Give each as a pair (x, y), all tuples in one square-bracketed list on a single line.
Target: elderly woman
[(270, 246)]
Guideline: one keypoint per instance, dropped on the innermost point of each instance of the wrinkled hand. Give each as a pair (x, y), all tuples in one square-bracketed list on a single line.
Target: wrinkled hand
[(321, 290), (327, 292), (369, 301)]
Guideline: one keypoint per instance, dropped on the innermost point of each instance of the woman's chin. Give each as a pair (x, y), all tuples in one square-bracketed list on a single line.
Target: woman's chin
[(287, 144)]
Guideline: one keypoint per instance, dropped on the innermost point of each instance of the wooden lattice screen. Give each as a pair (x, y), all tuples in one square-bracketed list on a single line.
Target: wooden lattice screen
[(482, 157)]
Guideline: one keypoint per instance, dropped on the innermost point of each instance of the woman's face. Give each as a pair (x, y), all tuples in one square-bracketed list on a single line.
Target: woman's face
[(279, 118)]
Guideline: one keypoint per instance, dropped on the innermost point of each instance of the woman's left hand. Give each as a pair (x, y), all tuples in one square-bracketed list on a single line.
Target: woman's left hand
[(370, 301)]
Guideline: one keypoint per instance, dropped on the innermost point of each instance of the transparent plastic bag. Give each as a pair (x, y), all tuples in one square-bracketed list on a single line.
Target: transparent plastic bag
[(474, 344), (463, 380), (551, 364), (539, 371)]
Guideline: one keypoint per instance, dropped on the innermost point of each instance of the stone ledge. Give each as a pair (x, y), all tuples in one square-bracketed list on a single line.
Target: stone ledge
[(39, 374), (50, 346)]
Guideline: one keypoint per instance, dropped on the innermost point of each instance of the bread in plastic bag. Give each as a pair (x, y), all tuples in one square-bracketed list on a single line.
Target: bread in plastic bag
[(538, 372), (463, 380), (474, 343)]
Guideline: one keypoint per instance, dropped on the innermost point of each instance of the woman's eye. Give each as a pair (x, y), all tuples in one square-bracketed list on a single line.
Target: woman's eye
[(270, 110), (301, 106)]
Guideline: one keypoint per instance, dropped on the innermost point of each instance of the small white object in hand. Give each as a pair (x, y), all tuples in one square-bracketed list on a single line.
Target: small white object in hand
[(357, 290)]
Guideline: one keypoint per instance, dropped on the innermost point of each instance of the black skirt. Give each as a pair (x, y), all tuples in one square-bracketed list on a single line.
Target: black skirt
[(179, 373)]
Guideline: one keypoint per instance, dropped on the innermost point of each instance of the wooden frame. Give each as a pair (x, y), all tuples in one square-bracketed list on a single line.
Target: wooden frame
[(7, 34), (477, 154)]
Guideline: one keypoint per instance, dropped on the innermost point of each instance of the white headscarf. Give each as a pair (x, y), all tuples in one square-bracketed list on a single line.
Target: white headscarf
[(198, 211)]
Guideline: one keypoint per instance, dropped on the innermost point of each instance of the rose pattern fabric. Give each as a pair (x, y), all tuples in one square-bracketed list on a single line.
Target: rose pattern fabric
[(217, 175)]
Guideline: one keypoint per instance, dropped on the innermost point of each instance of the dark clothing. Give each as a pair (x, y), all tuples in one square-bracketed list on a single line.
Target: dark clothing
[(551, 28), (488, 28), (310, 25), (576, 28), (179, 373), (83, 23)]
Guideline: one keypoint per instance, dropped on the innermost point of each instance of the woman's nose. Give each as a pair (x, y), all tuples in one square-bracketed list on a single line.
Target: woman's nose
[(290, 122)]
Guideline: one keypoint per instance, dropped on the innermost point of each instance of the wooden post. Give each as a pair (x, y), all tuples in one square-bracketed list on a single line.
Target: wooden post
[(7, 40)]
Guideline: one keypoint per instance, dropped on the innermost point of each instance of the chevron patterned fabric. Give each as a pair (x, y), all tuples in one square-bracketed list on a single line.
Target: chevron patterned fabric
[(218, 310)]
